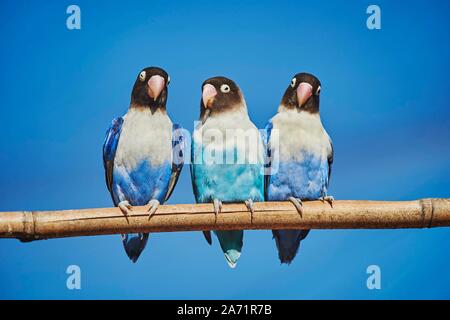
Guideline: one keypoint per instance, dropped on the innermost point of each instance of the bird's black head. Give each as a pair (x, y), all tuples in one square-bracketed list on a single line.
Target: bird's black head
[(150, 88), (219, 94), (303, 93)]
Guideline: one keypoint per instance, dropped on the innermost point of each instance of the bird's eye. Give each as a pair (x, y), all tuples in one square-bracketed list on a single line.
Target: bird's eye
[(142, 75), (318, 91), (293, 82), (225, 88), (168, 80)]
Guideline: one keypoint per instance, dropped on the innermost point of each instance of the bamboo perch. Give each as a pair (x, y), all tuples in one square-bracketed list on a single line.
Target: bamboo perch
[(34, 225)]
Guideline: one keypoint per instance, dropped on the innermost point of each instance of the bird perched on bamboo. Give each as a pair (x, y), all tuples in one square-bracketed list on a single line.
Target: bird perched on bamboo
[(143, 153), (227, 157), (300, 156)]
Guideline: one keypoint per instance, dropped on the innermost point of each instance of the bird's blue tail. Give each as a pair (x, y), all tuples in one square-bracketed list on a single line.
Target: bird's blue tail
[(231, 243), (134, 243), (288, 242)]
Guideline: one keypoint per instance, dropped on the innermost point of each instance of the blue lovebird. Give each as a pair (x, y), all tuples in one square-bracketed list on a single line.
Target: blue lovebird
[(227, 157), (143, 153), (300, 155)]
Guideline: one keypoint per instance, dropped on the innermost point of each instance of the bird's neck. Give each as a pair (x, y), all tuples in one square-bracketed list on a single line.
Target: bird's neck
[(238, 110), (152, 108), (296, 116), (307, 108)]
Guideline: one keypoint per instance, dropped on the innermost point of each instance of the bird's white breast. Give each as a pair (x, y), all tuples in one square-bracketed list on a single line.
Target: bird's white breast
[(144, 136), (231, 131), (299, 133)]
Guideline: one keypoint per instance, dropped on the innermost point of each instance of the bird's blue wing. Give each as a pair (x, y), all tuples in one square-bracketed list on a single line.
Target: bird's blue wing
[(268, 155), (207, 234), (109, 150), (194, 185), (178, 153), (330, 162)]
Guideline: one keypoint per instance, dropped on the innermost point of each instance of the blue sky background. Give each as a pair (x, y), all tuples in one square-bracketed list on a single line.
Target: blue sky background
[(384, 102)]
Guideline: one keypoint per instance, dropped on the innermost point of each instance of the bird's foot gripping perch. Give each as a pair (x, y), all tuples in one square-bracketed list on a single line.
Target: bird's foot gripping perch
[(125, 207), (298, 205), (328, 199), (249, 205), (153, 206), (217, 207)]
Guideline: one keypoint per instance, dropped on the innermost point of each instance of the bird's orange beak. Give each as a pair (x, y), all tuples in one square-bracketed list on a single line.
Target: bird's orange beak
[(208, 94), (155, 86), (304, 92)]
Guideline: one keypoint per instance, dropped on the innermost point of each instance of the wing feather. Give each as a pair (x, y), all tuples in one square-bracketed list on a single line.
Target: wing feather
[(178, 152), (109, 150), (330, 159), (268, 156)]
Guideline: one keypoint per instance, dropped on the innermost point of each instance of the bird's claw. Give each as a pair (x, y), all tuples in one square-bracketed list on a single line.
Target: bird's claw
[(217, 207), (298, 205), (125, 207), (249, 205), (328, 199), (153, 206)]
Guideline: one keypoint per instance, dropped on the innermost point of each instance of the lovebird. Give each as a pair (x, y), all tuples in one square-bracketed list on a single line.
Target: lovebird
[(300, 156), (143, 153), (227, 157)]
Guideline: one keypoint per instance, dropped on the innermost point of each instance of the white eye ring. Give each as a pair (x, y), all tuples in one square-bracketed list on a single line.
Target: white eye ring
[(225, 88), (142, 75), (318, 91), (293, 82)]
